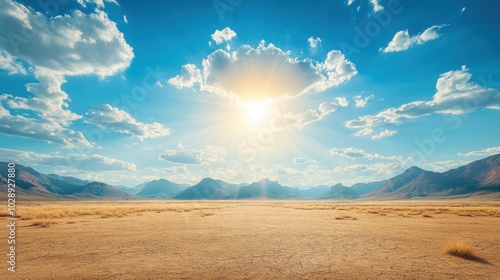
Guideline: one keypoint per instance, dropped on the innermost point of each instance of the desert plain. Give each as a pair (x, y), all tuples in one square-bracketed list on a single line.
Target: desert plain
[(255, 240)]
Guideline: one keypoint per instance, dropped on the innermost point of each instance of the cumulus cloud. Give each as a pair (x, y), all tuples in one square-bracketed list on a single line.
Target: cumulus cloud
[(40, 129), (8, 63), (482, 153), (93, 162), (108, 117), (66, 45), (288, 121), (73, 44), (314, 43), (376, 6), (207, 155), (390, 168), (402, 41), (455, 95), (189, 77), (384, 133), (224, 35), (354, 153), (262, 73), (98, 3), (49, 102), (360, 101)]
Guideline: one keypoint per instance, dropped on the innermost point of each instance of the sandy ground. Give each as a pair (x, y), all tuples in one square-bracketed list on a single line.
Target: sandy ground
[(259, 240)]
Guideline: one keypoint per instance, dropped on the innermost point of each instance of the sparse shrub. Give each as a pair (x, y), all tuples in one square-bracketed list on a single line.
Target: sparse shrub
[(345, 218), (426, 216), (204, 214), (460, 249)]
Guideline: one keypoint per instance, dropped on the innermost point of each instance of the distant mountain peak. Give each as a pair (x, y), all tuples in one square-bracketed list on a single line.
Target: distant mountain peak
[(205, 180), (414, 169)]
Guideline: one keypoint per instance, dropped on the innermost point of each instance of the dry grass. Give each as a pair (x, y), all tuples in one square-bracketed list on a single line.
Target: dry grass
[(108, 209), (460, 249), (345, 218), (255, 240), (426, 210), (43, 223)]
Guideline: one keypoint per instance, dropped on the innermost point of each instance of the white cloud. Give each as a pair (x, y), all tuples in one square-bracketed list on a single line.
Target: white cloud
[(384, 133), (240, 74), (8, 63), (349, 2), (108, 117), (190, 77), (49, 101), (93, 162), (482, 153), (208, 155), (314, 42), (74, 44), (354, 153), (125, 19), (445, 165), (388, 169), (342, 101), (288, 121), (66, 45), (402, 41), (462, 10), (376, 6), (455, 95), (224, 35), (40, 129), (360, 102), (98, 3)]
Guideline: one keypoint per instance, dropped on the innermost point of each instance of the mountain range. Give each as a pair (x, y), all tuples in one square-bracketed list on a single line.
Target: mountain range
[(478, 178)]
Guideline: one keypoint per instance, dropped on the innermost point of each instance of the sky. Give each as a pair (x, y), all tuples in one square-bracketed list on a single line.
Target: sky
[(303, 92)]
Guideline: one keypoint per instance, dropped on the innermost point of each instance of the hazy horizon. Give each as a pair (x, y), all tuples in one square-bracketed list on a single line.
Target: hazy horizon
[(305, 94)]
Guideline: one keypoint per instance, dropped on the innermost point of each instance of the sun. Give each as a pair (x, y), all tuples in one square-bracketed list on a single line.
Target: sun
[(257, 111)]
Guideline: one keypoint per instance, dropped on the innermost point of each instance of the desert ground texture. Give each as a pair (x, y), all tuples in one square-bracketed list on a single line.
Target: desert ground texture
[(255, 240)]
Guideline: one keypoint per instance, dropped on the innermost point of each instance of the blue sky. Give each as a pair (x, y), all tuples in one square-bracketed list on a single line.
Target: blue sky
[(303, 92)]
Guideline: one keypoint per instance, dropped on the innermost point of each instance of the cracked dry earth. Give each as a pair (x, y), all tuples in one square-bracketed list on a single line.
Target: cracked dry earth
[(252, 240)]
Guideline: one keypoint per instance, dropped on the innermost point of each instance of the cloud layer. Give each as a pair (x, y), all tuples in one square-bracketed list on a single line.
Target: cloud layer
[(402, 41), (262, 73), (207, 155), (482, 153), (67, 45), (93, 162), (108, 117), (455, 95)]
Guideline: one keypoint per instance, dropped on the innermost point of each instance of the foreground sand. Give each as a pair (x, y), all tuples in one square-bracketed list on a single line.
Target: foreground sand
[(254, 240)]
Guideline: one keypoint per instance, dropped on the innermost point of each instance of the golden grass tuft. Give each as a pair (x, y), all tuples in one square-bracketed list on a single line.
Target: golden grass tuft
[(345, 218), (459, 248)]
